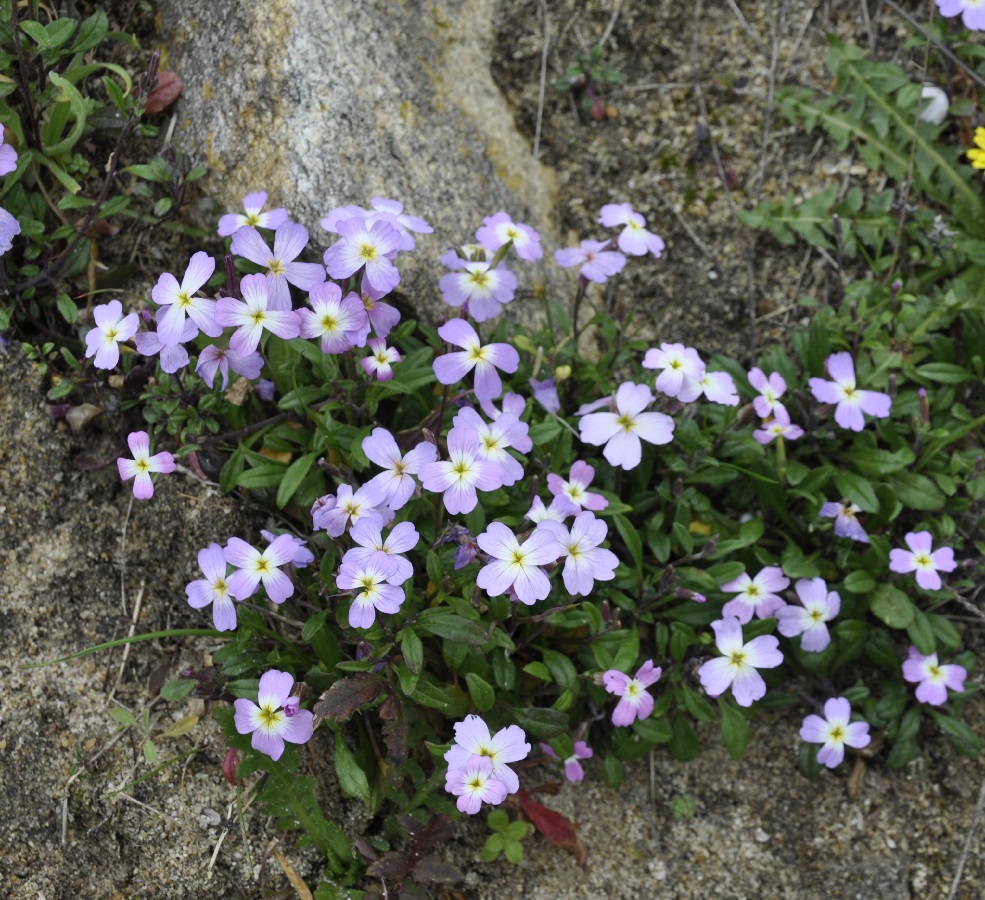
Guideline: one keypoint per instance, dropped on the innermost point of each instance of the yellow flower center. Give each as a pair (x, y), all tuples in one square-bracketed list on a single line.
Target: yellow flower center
[(276, 267), (626, 422), (183, 301), (367, 252)]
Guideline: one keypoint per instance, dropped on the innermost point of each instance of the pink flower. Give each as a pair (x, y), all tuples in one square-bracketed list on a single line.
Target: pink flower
[(575, 487), (584, 561), (474, 784), (142, 464), (453, 367), (921, 560), (597, 262), (340, 323), (254, 568), (486, 290), (112, 327), (495, 441), (621, 430), (462, 474), (682, 371), (214, 588), (335, 514), (255, 314), (778, 426), (8, 156), (634, 239), (252, 215), (181, 299), (718, 387), (472, 739), (573, 770), (220, 360), (770, 391), (516, 565), (384, 553), (396, 483), (846, 524), (368, 247), (500, 229), (972, 12), (810, 620), (637, 701), (290, 239), (392, 211), (835, 731), (277, 719), (381, 360), (851, 403), (382, 316), (755, 595), (932, 678), (376, 594), (559, 510), (519, 432), (738, 664)]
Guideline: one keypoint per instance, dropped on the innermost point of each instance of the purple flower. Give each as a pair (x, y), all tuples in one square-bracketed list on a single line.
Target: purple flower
[(575, 488), (221, 359), (382, 317), (810, 620), (972, 12), (392, 211), (495, 441), (584, 561), (142, 464), (9, 229), (335, 514), (920, 559), (466, 253), (486, 360), (718, 387), (621, 430), (516, 565), (738, 664), (573, 770), (636, 701), (486, 290), (841, 390), (770, 391), (303, 557), (252, 215), (634, 238), (371, 578), (289, 240), (395, 483), (545, 393), (472, 739), (172, 358), (111, 328), (180, 299), (367, 247), (384, 554), (462, 474), (778, 426), (682, 371), (559, 510), (597, 262), (381, 360), (932, 678), (255, 314), (340, 323), (500, 229), (474, 785), (755, 595), (8, 155), (520, 432), (214, 588), (271, 723), (835, 731), (254, 567), (846, 524)]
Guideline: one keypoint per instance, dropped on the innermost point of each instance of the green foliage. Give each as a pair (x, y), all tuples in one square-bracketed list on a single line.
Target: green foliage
[(506, 838)]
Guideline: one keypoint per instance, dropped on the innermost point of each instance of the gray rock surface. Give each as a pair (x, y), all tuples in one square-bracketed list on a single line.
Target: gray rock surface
[(324, 103)]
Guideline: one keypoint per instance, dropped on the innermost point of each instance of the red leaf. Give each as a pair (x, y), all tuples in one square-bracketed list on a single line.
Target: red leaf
[(344, 697), (229, 766), (168, 89), (559, 830)]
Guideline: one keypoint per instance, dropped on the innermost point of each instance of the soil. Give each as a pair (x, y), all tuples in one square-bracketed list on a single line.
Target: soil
[(85, 816)]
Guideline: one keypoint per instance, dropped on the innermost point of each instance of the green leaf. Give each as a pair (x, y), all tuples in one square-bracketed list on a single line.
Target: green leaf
[(631, 538), (859, 582), (735, 729), (917, 491), (481, 691), (945, 373), (891, 606), (177, 689), (412, 650), (78, 107), (123, 716), (293, 477), (561, 667), (921, 633), (684, 744), (538, 670), (453, 627), (857, 489), (541, 723), (352, 779), (612, 772)]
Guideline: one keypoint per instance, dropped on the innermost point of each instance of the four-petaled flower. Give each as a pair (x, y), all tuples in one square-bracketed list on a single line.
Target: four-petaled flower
[(738, 664), (851, 402), (636, 702), (462, 474), (142, 464), (396, 483), (575, 487), (972, 14), (755, 595), (277, 719), (472, 739), (515, 565), (289, 240), (932, 678), (500, 229), (348, 507), (584, 561), (621, 430), (254, 567), (181, 299), (485, 359), (835, 731), (682, 370), (252, 215), (810, 620), (634, 238), (381, 359), (771, 389), (922, 560), (370, 247), (340, 323), (598, 263), (255, 314), (111, 328), (573, 770), (214, 588), (846, 524), (474, 784), (370, 578), (486, 290), (778, 426)]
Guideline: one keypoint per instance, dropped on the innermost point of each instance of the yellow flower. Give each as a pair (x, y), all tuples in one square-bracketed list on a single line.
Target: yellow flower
[(977, 156)]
